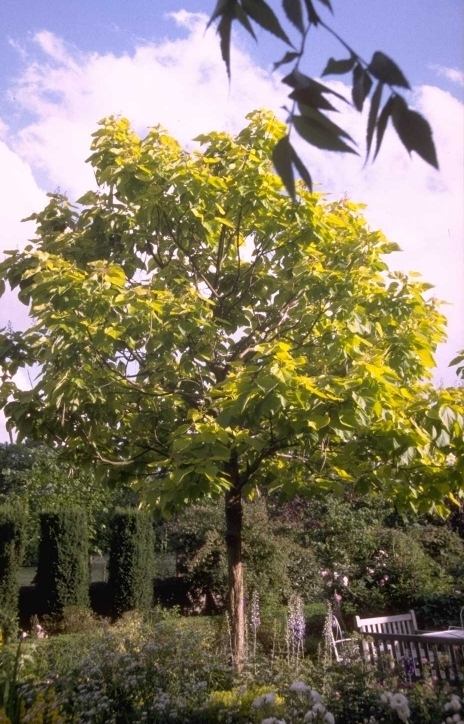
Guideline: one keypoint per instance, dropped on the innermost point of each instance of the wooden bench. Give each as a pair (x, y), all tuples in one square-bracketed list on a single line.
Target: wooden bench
[(404, 623), (387, 639)]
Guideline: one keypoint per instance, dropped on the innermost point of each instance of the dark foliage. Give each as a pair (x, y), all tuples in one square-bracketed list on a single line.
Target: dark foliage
[(131, 563), (11, 550), (63, 575)]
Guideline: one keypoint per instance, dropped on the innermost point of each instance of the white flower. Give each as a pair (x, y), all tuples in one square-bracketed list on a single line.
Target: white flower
[(329, 718), (455, 704), (345, 581), (315, 696), (398, 700), (386, 696), (273, 720), (319, 708), (263, 700), (299, 686), (309, 716)]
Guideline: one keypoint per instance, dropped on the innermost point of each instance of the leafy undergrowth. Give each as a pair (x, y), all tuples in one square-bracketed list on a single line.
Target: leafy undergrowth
[(164, 668)]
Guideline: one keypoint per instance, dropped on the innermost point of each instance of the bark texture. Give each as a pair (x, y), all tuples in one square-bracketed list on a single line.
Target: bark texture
[(234, 518)]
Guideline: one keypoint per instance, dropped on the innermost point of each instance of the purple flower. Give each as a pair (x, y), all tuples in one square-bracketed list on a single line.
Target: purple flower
[(296, 624), (255, 620)]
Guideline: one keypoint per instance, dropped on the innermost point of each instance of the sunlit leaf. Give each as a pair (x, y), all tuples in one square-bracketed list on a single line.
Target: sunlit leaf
[(447, 416)]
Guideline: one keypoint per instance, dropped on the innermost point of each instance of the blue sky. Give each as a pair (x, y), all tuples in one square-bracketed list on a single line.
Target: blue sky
[(418, 34), (68, 63)]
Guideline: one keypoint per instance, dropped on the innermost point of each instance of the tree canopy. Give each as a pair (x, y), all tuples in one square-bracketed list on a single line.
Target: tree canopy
[(379, 80), (200, 333)]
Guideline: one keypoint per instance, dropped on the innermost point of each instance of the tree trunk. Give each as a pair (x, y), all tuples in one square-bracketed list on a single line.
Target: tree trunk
[(235, 601)]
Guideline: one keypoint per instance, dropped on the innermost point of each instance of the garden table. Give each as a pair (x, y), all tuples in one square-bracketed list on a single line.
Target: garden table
[(452, 634)]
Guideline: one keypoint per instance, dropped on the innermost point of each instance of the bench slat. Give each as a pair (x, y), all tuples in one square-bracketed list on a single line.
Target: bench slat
[(442, 654)]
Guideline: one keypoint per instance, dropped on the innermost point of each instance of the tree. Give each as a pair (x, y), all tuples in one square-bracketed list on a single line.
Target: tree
[(38, 480), (200, 333), (311, 100), (15, 460)]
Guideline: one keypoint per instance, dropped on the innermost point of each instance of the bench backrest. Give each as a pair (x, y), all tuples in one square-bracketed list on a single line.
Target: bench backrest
[(404, 623)]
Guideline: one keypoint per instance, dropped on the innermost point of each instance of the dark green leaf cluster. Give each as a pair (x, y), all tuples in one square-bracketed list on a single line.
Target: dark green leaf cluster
[(308, 113)]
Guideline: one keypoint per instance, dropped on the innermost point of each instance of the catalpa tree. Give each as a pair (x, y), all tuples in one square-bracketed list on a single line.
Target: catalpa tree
[(196, 331)]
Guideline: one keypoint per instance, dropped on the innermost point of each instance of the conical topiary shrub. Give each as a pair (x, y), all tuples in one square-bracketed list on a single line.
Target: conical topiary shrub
[(63, 575), (131, 563)]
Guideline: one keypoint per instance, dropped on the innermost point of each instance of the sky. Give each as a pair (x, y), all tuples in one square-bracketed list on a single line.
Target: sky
[(68, 64)]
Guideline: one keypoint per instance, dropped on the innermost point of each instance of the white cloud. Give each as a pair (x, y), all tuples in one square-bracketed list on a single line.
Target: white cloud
[(182, 84), (455, 75), (20, 195)]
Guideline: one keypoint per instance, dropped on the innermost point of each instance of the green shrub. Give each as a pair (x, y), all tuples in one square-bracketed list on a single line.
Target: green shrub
[(275, 564), (63, 575), (131, 562), (444, 545), (11, 549), (73, 620), (440, 610)]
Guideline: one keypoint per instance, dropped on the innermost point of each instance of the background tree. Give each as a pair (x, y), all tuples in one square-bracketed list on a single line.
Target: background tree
[(15, 459), (200, 333), (310, 100), (36, 478)]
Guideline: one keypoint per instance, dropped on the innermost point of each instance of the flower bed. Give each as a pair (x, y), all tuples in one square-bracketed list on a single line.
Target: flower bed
[(164, 668)]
